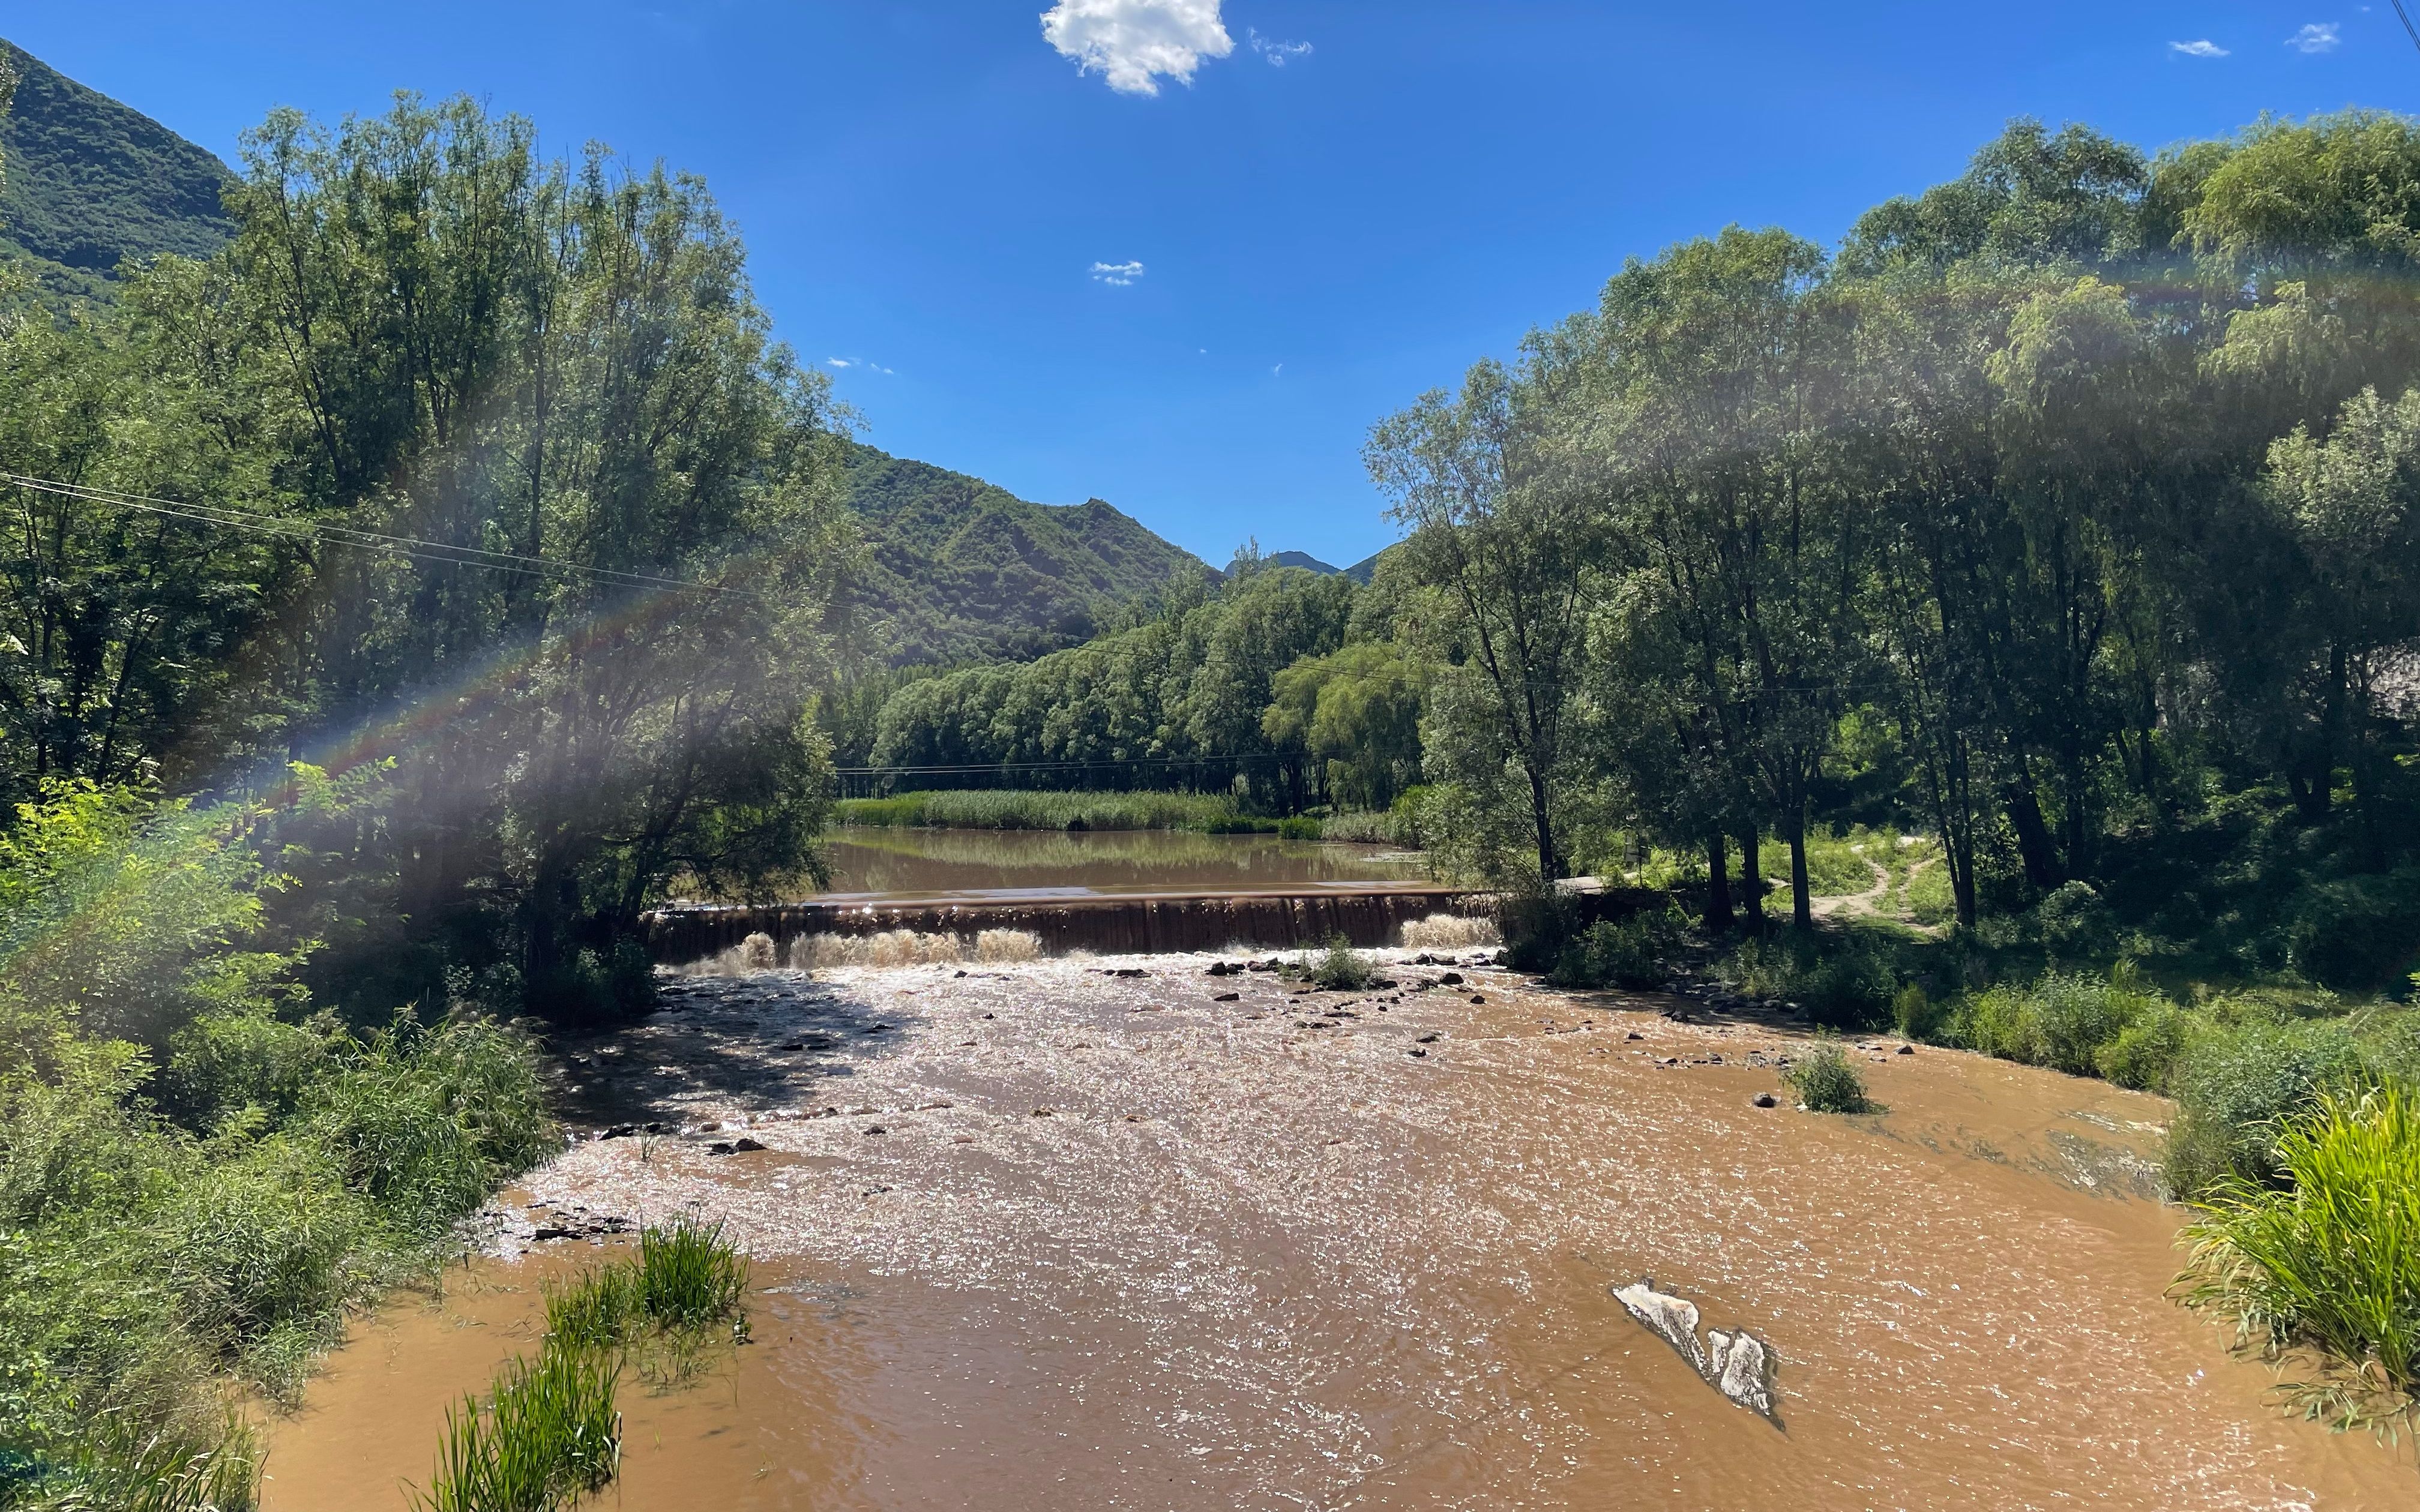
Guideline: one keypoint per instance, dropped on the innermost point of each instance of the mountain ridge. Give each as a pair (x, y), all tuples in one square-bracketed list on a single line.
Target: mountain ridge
[(87, 182)]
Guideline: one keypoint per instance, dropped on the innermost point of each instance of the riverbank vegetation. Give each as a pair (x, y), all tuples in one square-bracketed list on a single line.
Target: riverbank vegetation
[(405, 592)]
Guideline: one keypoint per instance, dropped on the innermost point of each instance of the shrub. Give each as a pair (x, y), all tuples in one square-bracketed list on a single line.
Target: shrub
[(2357, 933), (1300, 828), (2234, 1087), (1343, 968), (1636, 952), (1825, 1082), (1917, 1016), (2060, 1021), (1849, 988), (2145, 1053), (2329, 1257), (2076, 924), (222, 1063)]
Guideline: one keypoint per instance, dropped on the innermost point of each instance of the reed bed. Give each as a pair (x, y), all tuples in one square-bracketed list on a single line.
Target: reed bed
[(1013, 810), (2329, 1262)]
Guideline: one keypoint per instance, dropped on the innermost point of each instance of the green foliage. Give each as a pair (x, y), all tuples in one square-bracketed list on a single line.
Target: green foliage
[(2060, 1021), (1639, 951), (1357, 711), (1189, 684), (1300, 826), (1917, 1016), (91, 184), (1825, 1081), (691, 1274), (1848, 982), (2146, 1053), (1005, 808), (1343, 968), (546, 1435), (2235, 1089), (2075, 923), (2326, 1255)]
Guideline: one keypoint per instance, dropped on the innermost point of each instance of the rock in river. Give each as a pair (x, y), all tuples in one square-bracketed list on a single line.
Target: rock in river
[(1737, 1364)]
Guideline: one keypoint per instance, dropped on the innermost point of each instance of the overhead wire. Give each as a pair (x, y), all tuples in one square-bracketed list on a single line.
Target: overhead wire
[(445, 554), (2405, 16)]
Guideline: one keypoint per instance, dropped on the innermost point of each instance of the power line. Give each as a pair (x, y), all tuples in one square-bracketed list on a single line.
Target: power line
[(2405, 17), (444, 553)]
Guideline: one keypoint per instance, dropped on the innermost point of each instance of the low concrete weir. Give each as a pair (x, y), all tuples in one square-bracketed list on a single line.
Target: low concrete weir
[(1109, 923)]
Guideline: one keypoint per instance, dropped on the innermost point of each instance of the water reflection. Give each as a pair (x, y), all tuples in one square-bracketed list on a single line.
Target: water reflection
[(869, 860)]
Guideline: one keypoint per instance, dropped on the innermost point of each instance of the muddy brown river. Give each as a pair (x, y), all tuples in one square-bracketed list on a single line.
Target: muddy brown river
[(1038, 1237)]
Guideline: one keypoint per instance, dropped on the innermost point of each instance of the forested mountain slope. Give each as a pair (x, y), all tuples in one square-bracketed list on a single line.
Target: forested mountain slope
[(966, 570), (86, 182)]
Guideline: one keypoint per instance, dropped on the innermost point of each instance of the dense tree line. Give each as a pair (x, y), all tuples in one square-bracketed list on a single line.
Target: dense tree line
[(1277, 676), (461, 466), (2068, 508)]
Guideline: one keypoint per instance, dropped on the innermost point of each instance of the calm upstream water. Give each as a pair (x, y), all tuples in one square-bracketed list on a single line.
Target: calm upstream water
[(868, 861)]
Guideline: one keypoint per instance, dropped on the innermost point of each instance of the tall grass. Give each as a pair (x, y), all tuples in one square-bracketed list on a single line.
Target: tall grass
[(1011, 810), (546, 1435), (691, 1274), (2330, 1258)]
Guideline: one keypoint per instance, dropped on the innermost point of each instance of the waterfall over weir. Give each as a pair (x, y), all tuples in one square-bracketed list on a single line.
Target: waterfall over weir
[(1107, 923)]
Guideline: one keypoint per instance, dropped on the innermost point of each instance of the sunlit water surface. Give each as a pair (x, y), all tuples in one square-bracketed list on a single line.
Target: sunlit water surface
[(1040, 1238)]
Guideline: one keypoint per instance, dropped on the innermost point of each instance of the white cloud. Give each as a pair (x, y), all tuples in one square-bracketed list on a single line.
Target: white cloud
[(859, 361), (1132, 44), (2205, 48), (1278, 54), (840, 362), (2318, 36), (1119, 274)]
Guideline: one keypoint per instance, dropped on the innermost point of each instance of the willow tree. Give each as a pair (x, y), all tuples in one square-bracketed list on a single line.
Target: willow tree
[(1503, 531)]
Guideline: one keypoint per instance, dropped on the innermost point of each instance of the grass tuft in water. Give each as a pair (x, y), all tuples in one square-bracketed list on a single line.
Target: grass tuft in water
[(2328, 1262), (1825, 1082), (548, 1434), (691, 1275)]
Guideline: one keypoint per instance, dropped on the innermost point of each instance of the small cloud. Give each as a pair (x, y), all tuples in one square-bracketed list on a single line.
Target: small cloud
[(1278, 54), (2318, 36), (1134, 43), (840, 362), (1119, 274), (860, 362), (1277, 371), (2205, 48)]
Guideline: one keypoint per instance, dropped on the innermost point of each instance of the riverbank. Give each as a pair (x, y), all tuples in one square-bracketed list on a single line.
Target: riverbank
[(1117, 1241)]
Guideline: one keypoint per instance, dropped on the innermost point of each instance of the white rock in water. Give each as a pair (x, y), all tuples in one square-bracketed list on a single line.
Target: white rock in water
[(1739, 1365), (1743, 1369), (1673, 1319)]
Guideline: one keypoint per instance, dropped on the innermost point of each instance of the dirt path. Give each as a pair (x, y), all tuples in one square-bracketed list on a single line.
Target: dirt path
[(1071, 1239)]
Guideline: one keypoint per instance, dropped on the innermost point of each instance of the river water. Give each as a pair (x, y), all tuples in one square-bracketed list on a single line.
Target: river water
[(1038, 1237), (869, 861)]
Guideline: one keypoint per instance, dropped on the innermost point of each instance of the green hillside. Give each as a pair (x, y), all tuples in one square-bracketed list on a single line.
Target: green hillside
[(966, 570), (86, 182)]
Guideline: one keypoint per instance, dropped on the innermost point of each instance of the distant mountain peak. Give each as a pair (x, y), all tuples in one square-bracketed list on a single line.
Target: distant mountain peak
[(1303, 560), (86, 182)]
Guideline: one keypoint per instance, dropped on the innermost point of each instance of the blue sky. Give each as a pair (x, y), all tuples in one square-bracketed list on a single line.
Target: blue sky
[(1346, 204)]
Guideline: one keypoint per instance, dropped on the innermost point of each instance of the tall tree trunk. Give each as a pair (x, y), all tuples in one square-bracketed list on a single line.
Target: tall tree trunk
[(1752, 879), (1550, 867), (1718, 883), (2034, 847), (1802, 906)]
